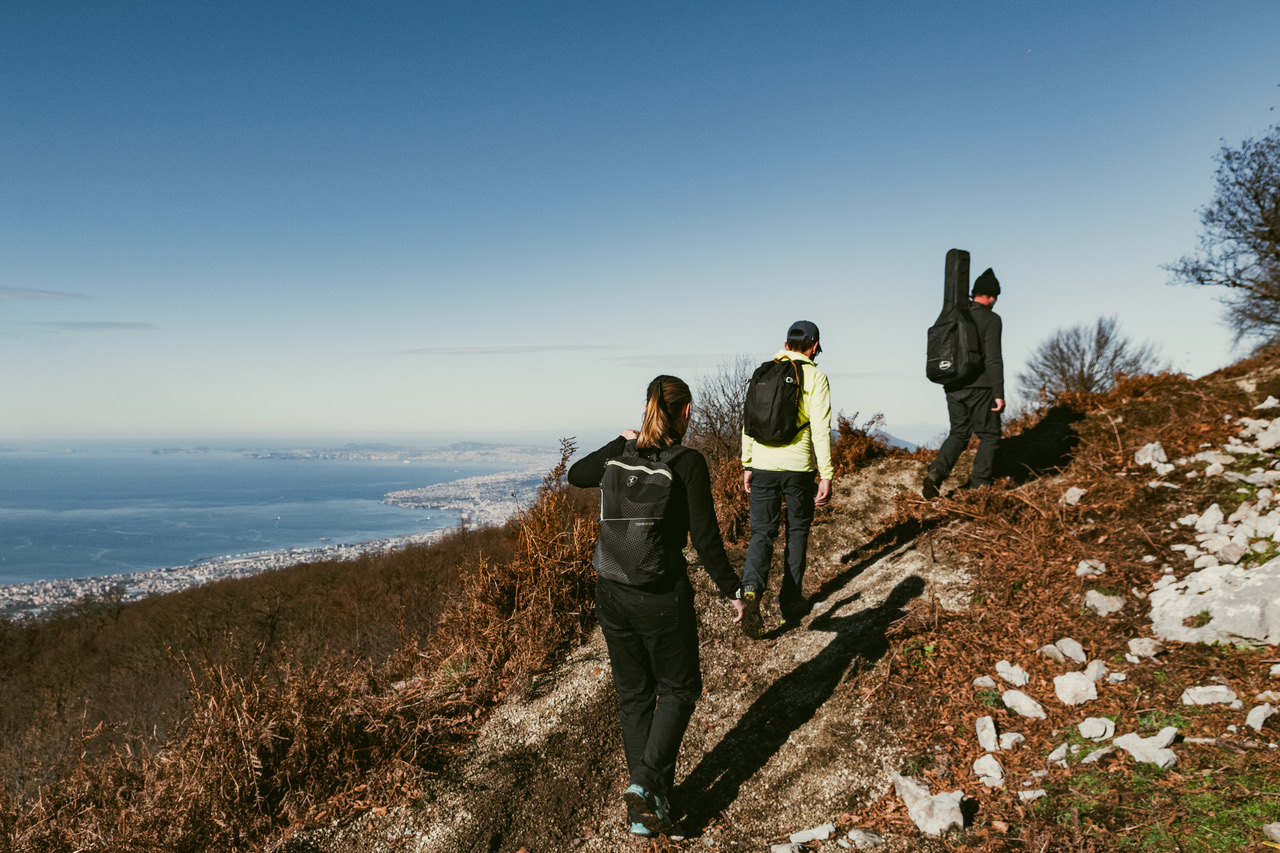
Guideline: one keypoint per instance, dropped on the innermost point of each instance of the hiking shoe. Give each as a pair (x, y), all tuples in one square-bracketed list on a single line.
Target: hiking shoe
[(752, 624), (653, 811), (638, 828), (930, 488), (794, 610)]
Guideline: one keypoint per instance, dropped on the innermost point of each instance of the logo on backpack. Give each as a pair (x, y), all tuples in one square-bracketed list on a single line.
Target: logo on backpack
[(634, 493), (771, 411)]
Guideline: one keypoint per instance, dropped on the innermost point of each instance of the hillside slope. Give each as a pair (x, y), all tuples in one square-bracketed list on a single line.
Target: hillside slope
[(913, 601)]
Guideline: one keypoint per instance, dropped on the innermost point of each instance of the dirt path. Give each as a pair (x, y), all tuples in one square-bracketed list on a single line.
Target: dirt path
[(777, 744)]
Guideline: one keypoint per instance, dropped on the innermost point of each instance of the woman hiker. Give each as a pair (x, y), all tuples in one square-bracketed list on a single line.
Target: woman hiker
[(654, 495)]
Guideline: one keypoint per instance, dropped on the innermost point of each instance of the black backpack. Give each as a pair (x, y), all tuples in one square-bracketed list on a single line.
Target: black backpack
[(634, 493), (954, 351), (771, 411)]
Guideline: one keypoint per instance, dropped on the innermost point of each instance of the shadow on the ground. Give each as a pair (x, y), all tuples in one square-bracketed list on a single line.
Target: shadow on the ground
[(874, 550), (788, 704), (1046, 448)]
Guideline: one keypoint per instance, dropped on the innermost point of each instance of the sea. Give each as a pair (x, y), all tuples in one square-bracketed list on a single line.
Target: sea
[(93, 513)]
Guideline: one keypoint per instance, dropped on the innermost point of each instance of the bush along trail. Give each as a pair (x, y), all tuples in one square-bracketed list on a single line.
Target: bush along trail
[(1082, 658)]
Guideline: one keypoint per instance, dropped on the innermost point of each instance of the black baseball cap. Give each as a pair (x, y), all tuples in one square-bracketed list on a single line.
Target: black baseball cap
[(803, 331)]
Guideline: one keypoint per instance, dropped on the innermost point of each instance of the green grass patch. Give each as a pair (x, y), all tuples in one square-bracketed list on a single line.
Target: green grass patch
[(1155, 811)]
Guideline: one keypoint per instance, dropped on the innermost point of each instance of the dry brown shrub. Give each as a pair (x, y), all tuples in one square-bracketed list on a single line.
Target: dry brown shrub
[(856, 446), (733, 509)]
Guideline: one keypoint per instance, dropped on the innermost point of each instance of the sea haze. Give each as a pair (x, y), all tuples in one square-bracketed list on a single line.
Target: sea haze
[(86, 514)]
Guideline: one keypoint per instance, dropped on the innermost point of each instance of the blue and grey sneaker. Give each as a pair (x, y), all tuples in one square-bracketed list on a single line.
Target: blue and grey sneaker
[(653, 811), (638, 828)]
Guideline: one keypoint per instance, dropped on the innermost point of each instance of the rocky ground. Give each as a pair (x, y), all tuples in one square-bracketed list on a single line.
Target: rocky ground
[(979, 673)]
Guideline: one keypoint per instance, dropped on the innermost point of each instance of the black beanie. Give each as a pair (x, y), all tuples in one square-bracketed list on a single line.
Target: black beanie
[(987, 284)]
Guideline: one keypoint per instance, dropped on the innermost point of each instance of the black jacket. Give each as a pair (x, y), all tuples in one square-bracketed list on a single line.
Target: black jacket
[(690, 511), (992, 375)]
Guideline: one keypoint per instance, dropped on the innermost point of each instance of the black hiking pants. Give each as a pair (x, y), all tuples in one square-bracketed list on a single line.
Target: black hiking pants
[(970, 412), (769, 491), (653, 649)]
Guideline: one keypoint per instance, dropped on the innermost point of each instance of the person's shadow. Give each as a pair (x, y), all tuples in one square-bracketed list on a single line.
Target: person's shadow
[(1046, 448), (788, 704)]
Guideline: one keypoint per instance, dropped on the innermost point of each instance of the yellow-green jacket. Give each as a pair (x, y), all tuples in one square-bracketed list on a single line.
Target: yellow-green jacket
[(810, 450)]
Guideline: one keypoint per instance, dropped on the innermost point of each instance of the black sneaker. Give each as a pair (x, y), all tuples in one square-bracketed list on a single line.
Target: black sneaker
[(930, 487), (793, 611), (752, 624)]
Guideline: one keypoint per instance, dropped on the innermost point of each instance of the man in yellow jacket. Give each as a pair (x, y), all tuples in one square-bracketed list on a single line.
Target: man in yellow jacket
[(774, 474)]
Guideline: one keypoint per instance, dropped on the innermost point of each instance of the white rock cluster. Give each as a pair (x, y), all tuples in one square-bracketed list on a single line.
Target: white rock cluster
[(1224, 600)]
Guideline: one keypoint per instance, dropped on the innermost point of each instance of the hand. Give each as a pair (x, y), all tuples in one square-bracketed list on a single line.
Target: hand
[(630, 434), (824, 493), (999, 406), (746, 481), (739, 609)]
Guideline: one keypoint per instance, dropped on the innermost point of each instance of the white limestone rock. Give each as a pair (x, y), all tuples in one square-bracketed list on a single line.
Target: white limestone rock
[(1097, 728), (1097, 755), (1052, 653), (987, 737), (989, 771), (1150, 750), (1272, 696), (818, 833), (1075, 688), (1243, 605), (933, 814), (1232, 552), (786, 848), (1145, 647), (1091, 568), (1258, 715), (1022, 704), (1151, 454), (1116, 678), (1028, 796), (1269, 437), (864, 840), (1072, 496), (1275, 670), (1269, 403), (1272, 831), (1096, 670), (1015, 675), (1102, 604), (1059, 755), (1071, 649), (1009, 740), (984, 682), (1210, 519), (1211, 694)]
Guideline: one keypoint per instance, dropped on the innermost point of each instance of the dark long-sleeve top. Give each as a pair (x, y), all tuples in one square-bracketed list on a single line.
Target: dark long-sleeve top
[(690, 512), (989, 329)]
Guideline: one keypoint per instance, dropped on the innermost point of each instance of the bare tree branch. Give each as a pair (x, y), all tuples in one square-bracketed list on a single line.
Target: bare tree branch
[(1239, 248), (716, 426)]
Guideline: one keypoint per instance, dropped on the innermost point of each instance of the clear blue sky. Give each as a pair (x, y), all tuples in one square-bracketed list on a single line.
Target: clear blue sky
[(426, 220)]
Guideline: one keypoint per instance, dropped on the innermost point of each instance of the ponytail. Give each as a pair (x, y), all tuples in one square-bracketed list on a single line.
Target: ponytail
[(664, 419)]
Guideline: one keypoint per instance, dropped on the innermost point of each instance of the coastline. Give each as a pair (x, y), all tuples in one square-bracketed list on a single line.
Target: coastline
[(479, 501)]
